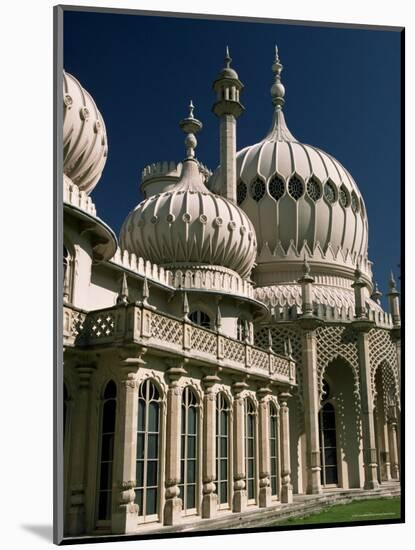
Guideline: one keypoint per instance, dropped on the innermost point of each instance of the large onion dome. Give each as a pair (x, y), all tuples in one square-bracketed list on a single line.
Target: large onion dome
[(300, 200), (84, 137), (187, 225)]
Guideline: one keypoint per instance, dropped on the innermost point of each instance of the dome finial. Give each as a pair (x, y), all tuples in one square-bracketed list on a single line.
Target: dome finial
[(190, 126), (228, 58), (277, 89)]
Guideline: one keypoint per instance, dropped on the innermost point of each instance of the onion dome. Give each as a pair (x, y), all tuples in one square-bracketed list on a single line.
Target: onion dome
[(189, 226), (85, 146), (299, 199)]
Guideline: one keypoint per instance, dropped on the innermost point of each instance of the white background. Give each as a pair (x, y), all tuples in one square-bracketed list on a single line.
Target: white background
[(26, 268)]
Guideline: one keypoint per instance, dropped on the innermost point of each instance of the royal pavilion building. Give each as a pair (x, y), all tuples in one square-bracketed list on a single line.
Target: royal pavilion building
[(228, 352)]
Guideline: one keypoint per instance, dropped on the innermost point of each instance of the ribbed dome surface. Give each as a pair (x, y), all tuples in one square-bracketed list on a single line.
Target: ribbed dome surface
[(295, 193), (84, 137), (189, 225)]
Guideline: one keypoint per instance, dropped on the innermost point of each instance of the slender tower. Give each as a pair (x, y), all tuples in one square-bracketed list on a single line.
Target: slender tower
[(228, 108)]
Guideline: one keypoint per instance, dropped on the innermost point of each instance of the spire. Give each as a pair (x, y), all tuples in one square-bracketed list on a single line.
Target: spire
[(186, 308), (277, 89), (392, 283), (190, 126), (145, 292), (228, 58), (278, 130), (122, 297), (376, 294), (218, 319)]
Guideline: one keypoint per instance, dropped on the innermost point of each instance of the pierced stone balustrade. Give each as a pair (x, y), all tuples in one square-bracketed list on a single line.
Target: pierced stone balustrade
[(167, 335)]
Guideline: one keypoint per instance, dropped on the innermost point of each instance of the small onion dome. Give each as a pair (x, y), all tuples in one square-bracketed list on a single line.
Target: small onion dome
[(85, 145), (296, 194), (227, 71), (188, 225)]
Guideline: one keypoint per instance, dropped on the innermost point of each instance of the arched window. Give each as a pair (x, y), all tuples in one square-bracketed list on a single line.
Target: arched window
[(148, 450), (223, 412), (189, 451), (250, 449), (328, 445), (273, 443), (108, 412), (200, 318)]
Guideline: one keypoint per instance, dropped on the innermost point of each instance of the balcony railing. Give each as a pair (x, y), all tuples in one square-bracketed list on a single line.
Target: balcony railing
[(122, 325)]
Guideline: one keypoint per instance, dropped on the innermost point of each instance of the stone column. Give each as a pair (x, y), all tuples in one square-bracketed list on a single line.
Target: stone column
[(264, 449), (125, 516), (173, 504), (78, 452), (286, 487), (239, 490), (393, 443), (368, 424), (311, 406), (210, 498)]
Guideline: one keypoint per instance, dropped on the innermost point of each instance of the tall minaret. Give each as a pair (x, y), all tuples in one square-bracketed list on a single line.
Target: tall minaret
[(228, 108)]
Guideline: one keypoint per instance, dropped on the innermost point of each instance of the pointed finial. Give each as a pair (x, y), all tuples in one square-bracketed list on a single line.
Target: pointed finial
[(122, 297), (228, 58), (277, 89), (392, 283), (218, 319), (190, 126), (306, 265), (376, 294), (191, 109), (270, 343), (185, 305), (146, 291), (277, 57)]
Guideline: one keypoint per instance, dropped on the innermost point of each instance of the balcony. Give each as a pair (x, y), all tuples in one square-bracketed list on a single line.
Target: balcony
[(169, 336)]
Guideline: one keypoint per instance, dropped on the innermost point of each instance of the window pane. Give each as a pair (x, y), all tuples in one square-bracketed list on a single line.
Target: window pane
[(107, 447), (330, 457), (151, 503), (139, 473), (108, 421), (103, 505), (152, 451), (224, 423), (328, 419), (250, 425), (191, 496), (223, 469), (330, 438), (152, 472), (140, 446), (153, 417), (191, 471), (331, 475), (191, 447), (273, 485), (141, 416), (223, 493), (250, 447), (191, 426), (251, 488), (250, 468), (105, 475), (223, 446), (273, 466), (273, 447), (139, 500)]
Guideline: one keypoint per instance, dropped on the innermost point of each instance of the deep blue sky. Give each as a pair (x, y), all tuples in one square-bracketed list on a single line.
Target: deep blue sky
[(342, 95)]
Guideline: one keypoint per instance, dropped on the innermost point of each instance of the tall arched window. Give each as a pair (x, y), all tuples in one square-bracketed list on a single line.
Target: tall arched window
[(250, 449), (200, 318), (273, 443), (223, 412), (108, 412), (189, 450), (328, 445), (148, 450)]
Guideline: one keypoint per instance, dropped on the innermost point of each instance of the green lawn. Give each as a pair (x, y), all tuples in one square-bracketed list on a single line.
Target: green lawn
[(361, 510)]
